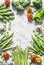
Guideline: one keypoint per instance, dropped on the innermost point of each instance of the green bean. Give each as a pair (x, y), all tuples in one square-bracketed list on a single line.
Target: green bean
[(8, 13), (4, 45), (6, 37), (38, 49), (38, 45), (8, 48), (6, 17), (1, 44), (40, 38)]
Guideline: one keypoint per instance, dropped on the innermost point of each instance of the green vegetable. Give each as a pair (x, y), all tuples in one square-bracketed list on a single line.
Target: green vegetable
[(6, 13), (37, 46), (38, 17), (37, 3), (5, 41), (5, 10), (20, 56), (2, 62), (1, 17), (11, 17), (20, 4), (1, 5), (40, 38)]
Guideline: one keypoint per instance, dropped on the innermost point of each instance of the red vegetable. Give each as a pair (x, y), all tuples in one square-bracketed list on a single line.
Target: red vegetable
[(7, 2), (5, 55), (32, 57), (30, 16)]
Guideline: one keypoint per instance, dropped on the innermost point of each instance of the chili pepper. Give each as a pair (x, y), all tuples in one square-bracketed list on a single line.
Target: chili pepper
[(38, 17), (37, 3)]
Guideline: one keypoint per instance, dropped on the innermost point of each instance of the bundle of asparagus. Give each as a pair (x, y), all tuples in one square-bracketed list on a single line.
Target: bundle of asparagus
[(20, 56), (5, 13)]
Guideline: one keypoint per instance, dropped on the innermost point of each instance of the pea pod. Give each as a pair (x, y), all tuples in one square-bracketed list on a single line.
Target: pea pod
[(38, 17), (37, 3)]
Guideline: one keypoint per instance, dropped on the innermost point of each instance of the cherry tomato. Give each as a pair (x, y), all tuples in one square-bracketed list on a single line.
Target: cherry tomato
[(38, 60), (29, 10), (5, 55), (32, 57), (30, 16), (7, 2)]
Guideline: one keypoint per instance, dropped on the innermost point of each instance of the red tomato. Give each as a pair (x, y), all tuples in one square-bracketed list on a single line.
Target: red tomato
[(5, 55), (32, 57), (30, 16), (7, 2)]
